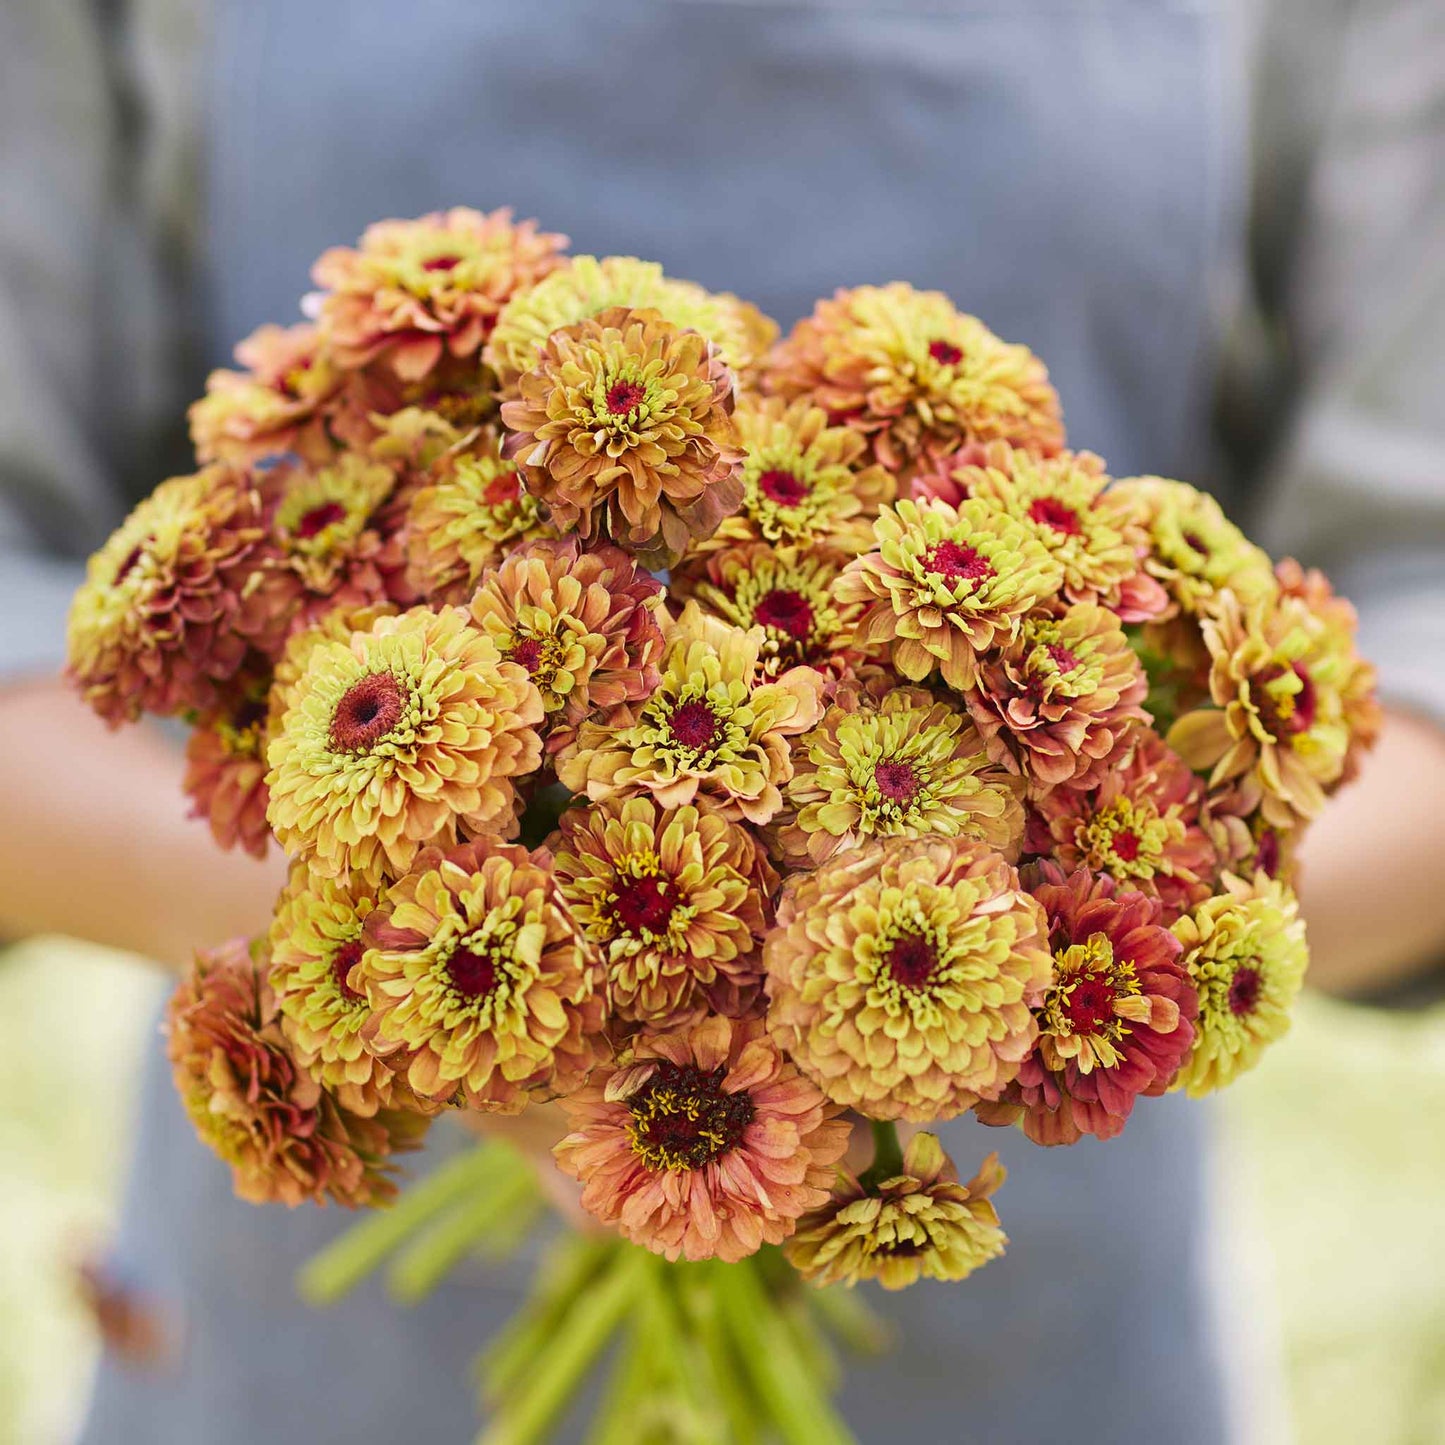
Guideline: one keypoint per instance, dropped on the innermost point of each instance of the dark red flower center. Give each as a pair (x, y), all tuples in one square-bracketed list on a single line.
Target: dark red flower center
[(624, 396), (897, 781), (1297, 715), (1197, 542), (250, 712), (318, 519), (1266, 853), (471, 974), (1090, 1004), (645, 904), (787, 611), (506, 488), (1126, 845), (527, 652), (1050, 512), (957, 561), (342, 962), (1244, 990), (441, 263), (1061, 657), (945, 353), (682, 1119), (368, 710), (694, 725), (782, 487), (911, 961)]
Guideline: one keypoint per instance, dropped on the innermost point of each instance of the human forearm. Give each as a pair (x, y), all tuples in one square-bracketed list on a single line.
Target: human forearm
[(95, 841)]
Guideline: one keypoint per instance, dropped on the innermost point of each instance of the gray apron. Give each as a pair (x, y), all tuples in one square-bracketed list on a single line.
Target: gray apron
[(1065, 169)]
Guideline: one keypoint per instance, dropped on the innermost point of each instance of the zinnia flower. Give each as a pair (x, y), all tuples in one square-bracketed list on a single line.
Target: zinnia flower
[(805, 483), (943, 585), (582, 623), (1276, 708), (676, 899), (902, 975), (465, 515), (284, 1136), (316, 944), (912, 373), (1056, 704), (396, 737), (899, 764), (921, 1223), (1246, 841), (480, 984), (624, 428), (787, 592), (175, 599), (225, 775), (1117, 1019), (1195, 550), (415, 291), (716, 727), (585, 286), (1141, 826), (705, 1143), (278, 404), (1246, 953)]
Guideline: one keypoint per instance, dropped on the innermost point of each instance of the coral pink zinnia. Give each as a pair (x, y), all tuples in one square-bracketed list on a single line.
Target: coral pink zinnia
[(705, 1143)]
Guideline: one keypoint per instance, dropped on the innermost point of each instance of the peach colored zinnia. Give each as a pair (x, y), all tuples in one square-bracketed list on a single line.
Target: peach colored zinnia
[(225, 775), (902, 976), (705, 1143)]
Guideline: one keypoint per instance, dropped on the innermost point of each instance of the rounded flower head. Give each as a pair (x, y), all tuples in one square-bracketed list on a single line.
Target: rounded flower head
[(482, 989), (278, 404), (912, 373), (1062, 501), (469, 510), (316, 943), (945, 584), (1141, 826), (225, 776), (285, 1137), (624, 428), (676, 900), (788, 592), (1194, 549), (582, 623), (919, 1224), (1117, 1019), (585, 286), (716, 727), (1246, 954), (394, 738), (175, 598), (805, 483), (336, 624), (901, 976), (1056, 704), (902, 764), (415, 291), (704, 1143), (1276, 708)]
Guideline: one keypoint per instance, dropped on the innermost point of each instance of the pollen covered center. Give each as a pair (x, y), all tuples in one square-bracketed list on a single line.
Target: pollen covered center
[(624, 397), (682, 1119), (896, 780), (957, 561), (694, 725), (645, 905)]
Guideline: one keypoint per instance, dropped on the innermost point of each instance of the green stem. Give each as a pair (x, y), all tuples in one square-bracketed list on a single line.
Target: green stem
[(887, 1155)]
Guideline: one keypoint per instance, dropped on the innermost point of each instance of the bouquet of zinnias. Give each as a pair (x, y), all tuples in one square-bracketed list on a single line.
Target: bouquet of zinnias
[(941, 773)]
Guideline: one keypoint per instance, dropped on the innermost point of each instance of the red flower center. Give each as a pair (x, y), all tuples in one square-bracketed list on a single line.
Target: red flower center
[(441, 263), (957, 561), (1090, 1004), (911, 961), (682, 1119), (897, 781), (787, 611), (624, 396), (474, 975), (782, 487), (1290, 715), (506, 488), (132, 559), (1061, 657), (1197, 543), (1266, 853), (1126, 845), (367, 712), (1244, 990), (694, 725), (1050, 512), (945, 353), (342, 962), (527, 652), (645, 904), (318, 519)]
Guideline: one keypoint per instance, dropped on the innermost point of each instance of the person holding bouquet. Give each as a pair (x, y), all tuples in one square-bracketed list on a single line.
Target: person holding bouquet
[(1078, 176)]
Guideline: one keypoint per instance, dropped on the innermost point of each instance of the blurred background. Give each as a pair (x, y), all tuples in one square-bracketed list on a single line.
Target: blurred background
[(1330, 1164)]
